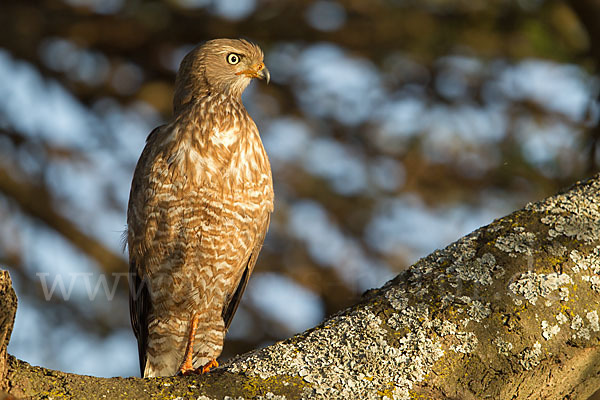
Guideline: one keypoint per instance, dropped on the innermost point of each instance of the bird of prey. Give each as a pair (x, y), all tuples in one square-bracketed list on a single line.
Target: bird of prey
[(198, 212)]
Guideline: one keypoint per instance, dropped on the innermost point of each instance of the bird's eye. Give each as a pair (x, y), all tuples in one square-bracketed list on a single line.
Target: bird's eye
[(233, 58)]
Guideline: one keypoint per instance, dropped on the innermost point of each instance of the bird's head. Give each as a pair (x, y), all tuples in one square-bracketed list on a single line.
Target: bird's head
[(219, 66)]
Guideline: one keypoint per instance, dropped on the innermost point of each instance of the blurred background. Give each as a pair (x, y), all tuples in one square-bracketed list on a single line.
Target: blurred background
[(394, 127)]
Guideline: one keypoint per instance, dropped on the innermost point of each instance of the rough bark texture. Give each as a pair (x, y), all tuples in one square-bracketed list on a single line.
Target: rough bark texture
[(8, 309), (507, 312)]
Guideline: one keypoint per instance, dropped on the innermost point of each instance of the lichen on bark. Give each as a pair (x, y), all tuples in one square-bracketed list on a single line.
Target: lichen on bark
[(507, 312)]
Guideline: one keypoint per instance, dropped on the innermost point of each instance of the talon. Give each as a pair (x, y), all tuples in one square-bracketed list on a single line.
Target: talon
[(211, 364)]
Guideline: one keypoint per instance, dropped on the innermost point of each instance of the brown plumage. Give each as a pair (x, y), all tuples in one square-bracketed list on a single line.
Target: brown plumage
[(198, 212)]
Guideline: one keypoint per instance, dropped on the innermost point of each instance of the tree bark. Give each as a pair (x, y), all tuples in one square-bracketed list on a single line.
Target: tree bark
[(509, 311), (8, 309)]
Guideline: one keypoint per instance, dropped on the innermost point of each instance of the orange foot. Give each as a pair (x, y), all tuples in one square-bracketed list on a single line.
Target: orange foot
[(211, 364), (199, 371)]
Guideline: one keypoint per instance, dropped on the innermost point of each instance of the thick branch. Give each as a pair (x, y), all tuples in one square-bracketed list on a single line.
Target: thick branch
[(507, 312), (8, 309)]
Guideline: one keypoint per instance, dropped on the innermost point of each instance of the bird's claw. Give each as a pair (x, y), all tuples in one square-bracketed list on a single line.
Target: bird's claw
[(211, 364), (187, 370)]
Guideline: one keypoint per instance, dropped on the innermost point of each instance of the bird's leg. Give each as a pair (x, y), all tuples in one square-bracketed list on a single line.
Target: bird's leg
[(187, 366)]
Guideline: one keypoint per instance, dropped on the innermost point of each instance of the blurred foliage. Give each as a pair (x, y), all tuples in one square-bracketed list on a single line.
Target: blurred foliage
[(393, 126)]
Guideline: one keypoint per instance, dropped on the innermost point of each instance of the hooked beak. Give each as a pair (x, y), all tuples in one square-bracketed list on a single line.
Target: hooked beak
[(264, 74), (257, 71)]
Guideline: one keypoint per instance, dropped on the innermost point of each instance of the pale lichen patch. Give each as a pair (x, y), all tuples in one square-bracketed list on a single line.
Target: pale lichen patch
[(548, 331), (590, 263), (593, 280), (576, 323), (572, 225), (504, 347), (493, 228), (444, 327), (517, 301), (397, 298), (573, 214), (561, 318), (463, 266), (479, 270), (530, 357), (558, 250), (474, 310), (467, 342), (516, 243), (583, 263), (592, 317), (531, 285), (581, 331), (477, 311)]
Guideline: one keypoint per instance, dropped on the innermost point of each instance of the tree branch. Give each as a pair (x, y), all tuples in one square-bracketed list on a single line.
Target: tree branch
[(507, 312), (8, 309)]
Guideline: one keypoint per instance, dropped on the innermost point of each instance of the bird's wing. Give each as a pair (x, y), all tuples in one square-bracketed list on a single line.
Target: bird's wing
[(233, 301), (139, 308), (139, 296)]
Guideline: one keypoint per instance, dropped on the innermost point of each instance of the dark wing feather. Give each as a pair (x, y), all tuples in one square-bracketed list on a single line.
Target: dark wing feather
[(232, 303), (139, 298), (139, 308)]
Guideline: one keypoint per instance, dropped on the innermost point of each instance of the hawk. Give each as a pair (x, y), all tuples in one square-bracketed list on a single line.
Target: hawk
[(198, 212)]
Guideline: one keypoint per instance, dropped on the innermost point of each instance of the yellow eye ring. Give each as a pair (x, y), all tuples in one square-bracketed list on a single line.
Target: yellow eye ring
[(233, 58)]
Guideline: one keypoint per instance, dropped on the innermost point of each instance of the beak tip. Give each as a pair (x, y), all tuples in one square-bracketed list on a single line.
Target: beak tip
[(265, 74)]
